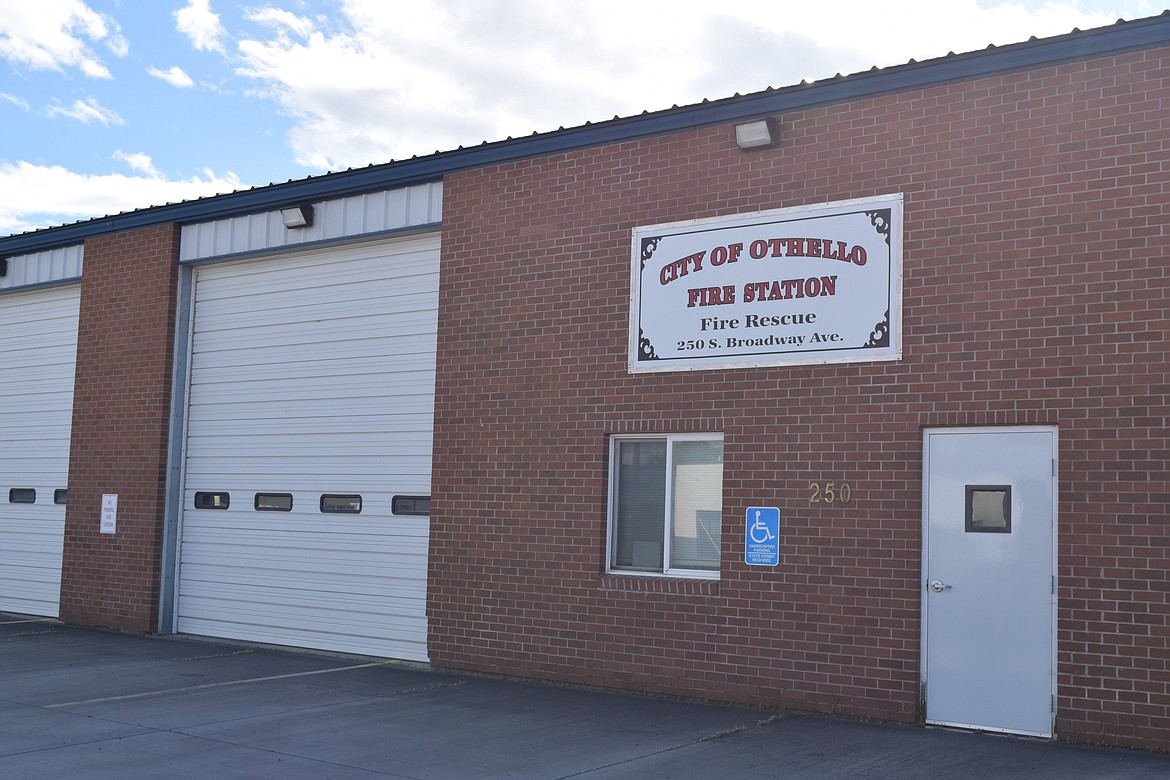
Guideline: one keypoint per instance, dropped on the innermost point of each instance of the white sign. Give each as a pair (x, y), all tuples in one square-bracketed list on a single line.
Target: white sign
[(109, 513), (796, 286)]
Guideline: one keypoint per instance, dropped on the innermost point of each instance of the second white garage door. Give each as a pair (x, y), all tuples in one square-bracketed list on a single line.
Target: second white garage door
[(308, 450)]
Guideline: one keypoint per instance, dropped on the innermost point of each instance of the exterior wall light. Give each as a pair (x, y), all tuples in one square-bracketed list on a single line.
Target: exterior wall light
[(757, 134), (297, 216)]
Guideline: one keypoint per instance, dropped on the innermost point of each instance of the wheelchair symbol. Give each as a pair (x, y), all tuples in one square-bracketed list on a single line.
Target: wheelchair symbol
[(759, 531)]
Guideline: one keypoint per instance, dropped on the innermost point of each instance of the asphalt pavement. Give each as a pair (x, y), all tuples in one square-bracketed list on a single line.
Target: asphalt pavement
[(82, 703)]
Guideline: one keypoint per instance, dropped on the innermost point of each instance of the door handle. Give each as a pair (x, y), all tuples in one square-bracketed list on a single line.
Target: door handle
[(938, 586)]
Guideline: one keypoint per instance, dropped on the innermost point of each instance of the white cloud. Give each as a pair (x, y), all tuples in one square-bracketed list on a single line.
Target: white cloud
[(176, 76), (57, 34), (283, 21), (201, 25), (139, 162), (38, 196), (86, 111), (14, 100), (387, 81)]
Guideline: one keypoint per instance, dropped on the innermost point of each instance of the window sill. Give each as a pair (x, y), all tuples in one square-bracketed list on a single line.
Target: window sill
[(634, 583)]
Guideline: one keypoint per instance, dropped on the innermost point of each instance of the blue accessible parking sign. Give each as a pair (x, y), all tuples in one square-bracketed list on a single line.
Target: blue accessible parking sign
[(762, 536)]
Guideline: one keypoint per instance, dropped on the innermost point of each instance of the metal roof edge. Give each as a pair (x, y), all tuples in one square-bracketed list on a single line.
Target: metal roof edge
[(1118, 38)]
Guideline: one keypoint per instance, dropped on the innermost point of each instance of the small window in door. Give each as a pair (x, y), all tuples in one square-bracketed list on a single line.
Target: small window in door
[(273, 502), (22, 496), (61, 496), (212, 500), (411, 505), (349, 504), (989, 509)]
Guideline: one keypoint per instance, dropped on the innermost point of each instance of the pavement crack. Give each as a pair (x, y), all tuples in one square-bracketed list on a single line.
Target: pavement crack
[(723, 733), (424, 688), (22, 634), (246, 651), (206, 686)]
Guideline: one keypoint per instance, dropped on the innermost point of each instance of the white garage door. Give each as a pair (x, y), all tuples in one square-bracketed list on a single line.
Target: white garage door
[(38, 352), (308, 454)]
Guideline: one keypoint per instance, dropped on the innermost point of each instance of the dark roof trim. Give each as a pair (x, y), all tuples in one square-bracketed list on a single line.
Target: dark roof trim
[(1077, 45)]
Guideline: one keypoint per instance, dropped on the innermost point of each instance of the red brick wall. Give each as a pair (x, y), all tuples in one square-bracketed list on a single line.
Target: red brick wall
[(121, 408), (1035, 287)]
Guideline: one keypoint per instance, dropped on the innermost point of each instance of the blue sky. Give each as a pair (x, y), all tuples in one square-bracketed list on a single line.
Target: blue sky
[(112, 105)]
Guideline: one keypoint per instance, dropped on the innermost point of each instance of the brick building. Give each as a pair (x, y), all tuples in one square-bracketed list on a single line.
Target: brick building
[(861, 410)]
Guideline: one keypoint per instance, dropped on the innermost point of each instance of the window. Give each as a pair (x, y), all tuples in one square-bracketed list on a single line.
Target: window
[(273, 502), (989, 509), (61, 496), (22, 496), (213, 500), (411, 505), (332, 503), (666, 504)]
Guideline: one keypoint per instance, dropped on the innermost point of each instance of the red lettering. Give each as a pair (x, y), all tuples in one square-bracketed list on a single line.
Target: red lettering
[(682, 267), (710, 296)]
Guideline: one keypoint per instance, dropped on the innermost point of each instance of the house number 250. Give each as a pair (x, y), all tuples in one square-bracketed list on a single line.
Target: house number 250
[(829, 492)]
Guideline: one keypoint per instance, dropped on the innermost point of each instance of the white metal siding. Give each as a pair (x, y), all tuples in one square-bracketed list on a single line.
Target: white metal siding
[(357, 215), (38, 353), (310, 375), (52, 265)]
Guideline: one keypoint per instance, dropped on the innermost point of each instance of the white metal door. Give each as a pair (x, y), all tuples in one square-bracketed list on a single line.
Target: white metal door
[(989, 591), (311, 376), (38, 353)]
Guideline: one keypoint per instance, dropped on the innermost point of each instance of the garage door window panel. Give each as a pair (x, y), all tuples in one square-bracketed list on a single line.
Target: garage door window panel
[(418, 506), (22, 496), (273, 502), (332, 503), (212, 500)]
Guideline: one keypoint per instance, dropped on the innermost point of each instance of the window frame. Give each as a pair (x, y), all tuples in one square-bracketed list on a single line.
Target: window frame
[(204, 495), (22, 495), (269, 498), (414, 499), (969, 524), (611, 506)]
